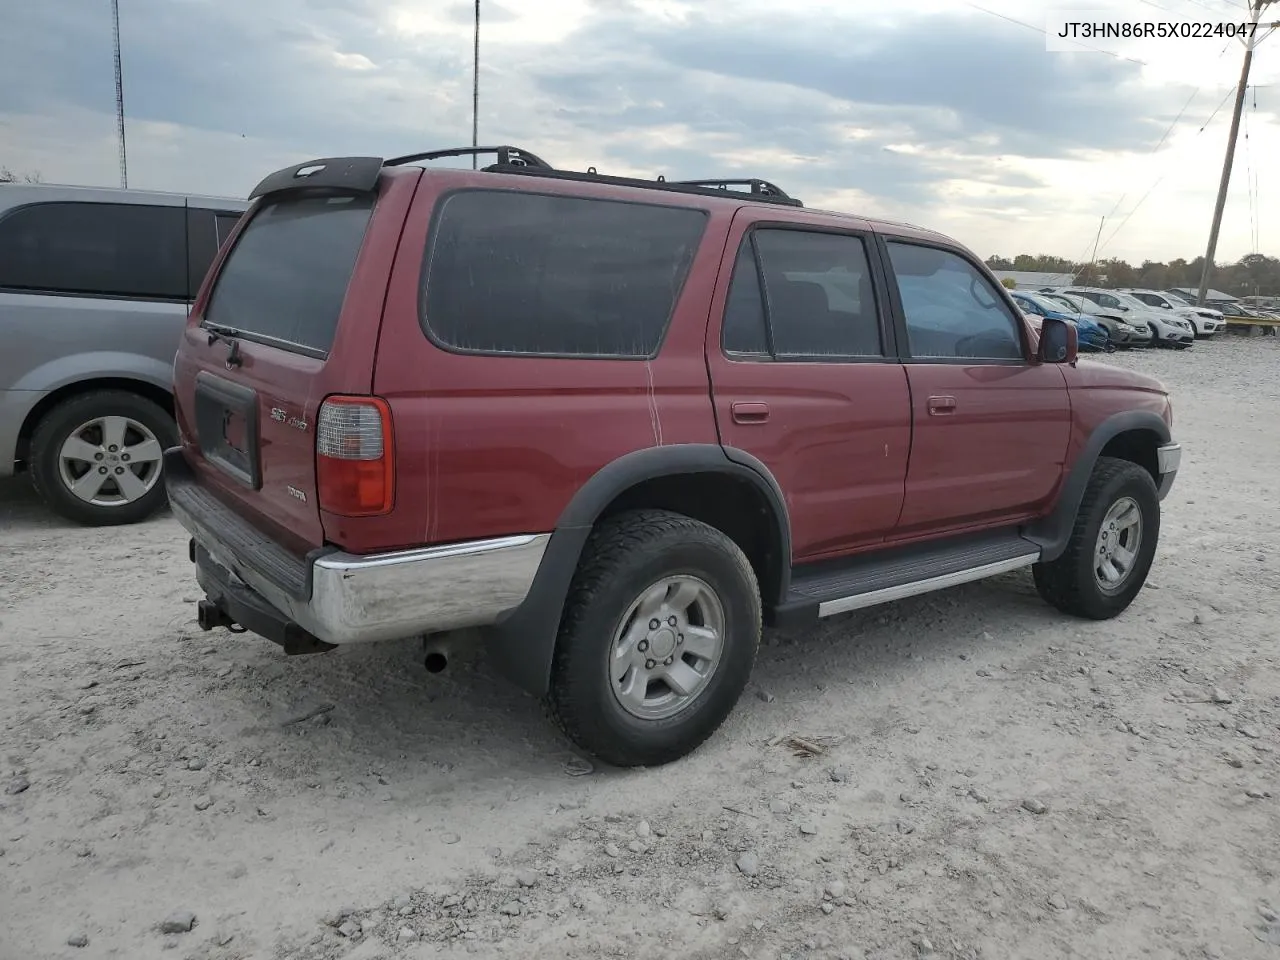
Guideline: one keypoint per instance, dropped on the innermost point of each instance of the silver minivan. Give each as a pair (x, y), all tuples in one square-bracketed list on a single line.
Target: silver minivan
[(95, 287)]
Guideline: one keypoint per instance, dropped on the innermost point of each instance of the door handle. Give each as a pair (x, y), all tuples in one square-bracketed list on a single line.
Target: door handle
[(749, 411), (942, 406)]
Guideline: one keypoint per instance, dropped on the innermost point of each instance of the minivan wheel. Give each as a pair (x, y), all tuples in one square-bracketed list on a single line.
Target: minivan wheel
[(1112, 545), (658, 638), (96, 459)]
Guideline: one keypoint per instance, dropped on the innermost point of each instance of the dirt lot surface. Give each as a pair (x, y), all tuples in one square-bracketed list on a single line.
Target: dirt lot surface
[(1008, 783)]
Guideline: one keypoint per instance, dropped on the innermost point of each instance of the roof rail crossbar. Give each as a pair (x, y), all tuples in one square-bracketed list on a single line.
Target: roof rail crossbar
[(754, 185), (508, 156)]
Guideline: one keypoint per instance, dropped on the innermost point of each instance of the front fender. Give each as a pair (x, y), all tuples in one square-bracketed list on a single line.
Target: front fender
[(1054, 531)]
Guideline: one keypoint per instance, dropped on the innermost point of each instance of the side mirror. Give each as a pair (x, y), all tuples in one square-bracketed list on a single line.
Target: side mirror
[(1059, 341)]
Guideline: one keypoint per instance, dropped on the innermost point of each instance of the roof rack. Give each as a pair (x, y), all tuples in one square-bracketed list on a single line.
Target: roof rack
[(507, 156), (762, 188), (360, 175), (761, 191)]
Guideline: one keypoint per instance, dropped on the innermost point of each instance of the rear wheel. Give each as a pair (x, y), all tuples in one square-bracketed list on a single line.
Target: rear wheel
[(1112, 545), (96, 458), (658, 639)]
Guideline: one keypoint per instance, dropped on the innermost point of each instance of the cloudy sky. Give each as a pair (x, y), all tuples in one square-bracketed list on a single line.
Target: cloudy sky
[(943, 114)]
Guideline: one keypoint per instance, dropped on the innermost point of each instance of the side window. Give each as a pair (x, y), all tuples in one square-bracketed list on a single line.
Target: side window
[(223, 224), (102, 249), (207, 231), (952, 310), (1106, 300), (745, 330), (530, 274)]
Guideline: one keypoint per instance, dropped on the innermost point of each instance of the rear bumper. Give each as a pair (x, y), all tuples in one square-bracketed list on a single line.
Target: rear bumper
[(338, 597), (1168, 459)]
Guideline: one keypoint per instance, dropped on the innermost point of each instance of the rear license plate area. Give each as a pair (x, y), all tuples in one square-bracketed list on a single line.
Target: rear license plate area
[(226, 416)]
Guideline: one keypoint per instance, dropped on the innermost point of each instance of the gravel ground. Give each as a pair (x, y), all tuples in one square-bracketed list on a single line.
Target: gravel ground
[(998, 781)]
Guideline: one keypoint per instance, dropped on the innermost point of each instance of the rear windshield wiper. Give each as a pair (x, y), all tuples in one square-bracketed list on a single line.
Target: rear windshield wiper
[(228, 336)]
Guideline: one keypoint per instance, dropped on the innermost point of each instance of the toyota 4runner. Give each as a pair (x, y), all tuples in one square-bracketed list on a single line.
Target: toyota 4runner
[(616, 425)]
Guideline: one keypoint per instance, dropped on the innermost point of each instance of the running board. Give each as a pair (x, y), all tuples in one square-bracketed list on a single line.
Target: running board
[(870, 579)]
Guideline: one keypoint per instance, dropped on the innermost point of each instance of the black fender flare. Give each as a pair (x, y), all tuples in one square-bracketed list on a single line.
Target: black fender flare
[(523, 642), (1053, 532)]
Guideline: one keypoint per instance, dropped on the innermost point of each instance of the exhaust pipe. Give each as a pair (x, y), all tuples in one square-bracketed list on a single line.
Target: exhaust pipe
[(435, 654)]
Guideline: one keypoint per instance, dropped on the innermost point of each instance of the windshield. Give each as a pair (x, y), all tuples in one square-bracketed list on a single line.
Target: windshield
[(1044, 303), (1131, 301), (1072, 303)]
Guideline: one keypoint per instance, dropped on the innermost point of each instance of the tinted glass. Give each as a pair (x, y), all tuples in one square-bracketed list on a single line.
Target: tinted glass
[(525, 274), (819, 294), (107, 249), (744, 323), (951, 309), (288, 273), (224, 223)]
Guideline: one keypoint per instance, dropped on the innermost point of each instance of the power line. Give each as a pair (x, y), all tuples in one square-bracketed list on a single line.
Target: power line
[(1111, 236), (1043, 33)]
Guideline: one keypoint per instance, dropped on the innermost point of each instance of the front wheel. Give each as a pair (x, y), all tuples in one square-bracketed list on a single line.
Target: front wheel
[(96, 459), (658, 638), (1112, 544)]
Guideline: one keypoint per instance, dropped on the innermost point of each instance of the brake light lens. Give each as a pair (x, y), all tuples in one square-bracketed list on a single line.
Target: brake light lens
[(355, 456)]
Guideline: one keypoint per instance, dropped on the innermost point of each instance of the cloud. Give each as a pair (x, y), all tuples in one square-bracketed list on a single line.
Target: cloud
[(945, 117)]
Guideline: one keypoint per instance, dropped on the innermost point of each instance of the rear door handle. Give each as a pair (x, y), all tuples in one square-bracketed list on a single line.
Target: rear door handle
[(745, 411), (942, 406)]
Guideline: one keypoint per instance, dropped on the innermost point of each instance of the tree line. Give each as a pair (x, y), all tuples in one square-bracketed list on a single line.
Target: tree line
[(1253, 275)]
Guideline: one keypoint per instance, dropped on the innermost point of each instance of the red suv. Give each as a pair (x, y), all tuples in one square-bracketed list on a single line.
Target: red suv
[(618, 424)]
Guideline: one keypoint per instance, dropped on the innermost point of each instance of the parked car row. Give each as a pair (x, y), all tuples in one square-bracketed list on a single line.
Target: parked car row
[(1128, 320)]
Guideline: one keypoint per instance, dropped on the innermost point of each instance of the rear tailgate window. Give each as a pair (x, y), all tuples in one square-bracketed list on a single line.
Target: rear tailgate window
[(284, 281)]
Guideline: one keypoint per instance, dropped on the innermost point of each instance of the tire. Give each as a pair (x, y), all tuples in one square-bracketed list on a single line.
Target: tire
[(1070, 582), (626, 557), (146, 432)]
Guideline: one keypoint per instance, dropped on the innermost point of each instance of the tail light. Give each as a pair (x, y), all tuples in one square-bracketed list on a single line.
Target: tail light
[(355, 456)]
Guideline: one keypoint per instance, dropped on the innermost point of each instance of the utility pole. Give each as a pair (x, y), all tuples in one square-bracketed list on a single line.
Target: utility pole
[(1251, 41), (124, 162), (475, 90)]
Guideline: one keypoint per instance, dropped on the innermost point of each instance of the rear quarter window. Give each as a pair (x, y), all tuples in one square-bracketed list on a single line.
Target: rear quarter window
[(285, 279), (536, 275)]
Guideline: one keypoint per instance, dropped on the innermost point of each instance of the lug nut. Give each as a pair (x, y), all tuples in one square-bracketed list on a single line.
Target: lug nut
[(650, 664), (643, 645), (119, 469), (671, 621), (669, 661), (124, 456), (654, 624), (98, 455), (113, 448), (102, 469), (679, 638)]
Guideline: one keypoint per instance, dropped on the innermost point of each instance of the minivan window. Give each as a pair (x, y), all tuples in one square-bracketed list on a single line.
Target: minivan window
[(95, 249), (538, 275), (285, 279)]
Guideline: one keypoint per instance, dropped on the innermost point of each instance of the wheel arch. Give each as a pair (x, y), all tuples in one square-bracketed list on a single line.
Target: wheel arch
[(143, 388), (1133, 435), (700, 480)]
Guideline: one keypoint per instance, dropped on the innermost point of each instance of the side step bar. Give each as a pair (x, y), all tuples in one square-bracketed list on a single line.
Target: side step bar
[(823, 590)]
